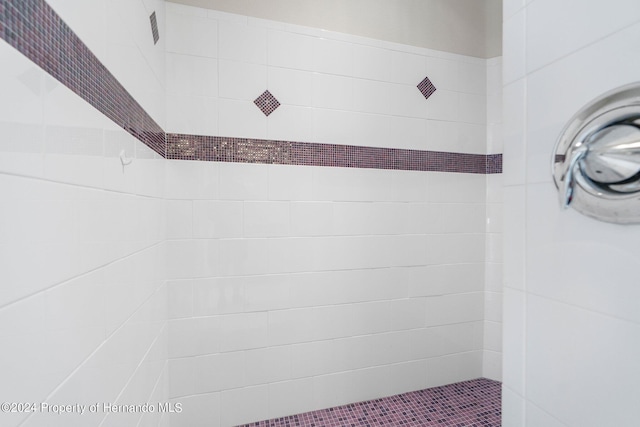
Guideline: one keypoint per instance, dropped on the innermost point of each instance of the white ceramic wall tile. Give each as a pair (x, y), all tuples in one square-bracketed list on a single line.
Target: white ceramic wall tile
[(238, 257), (311, 218), (185, 258), (290, 183), (584, 286), (409, 133), (407, 68), (290, 50), (268, 365), (493, 306), (241, 119), (234, 405), (332, 91), (373, 96), (458, 308), (264, 293), (472, 77), (214, 219), (332, 126), (218, 296), (290, 397), (514, 51), (244, 331), (290, 86), (198, 411), (535, 416), (443, 73), (219, 372), (179, 219), (241, 42), (243, 181), (551, 362), (372, 63), (191, 75), (492, 365), (240, 80), (189, 180), (191, 35), (514, 237), (266, 219), (193, 115), (492, 336), (445, 279), (515, 148), (566, 32), (454, 368), (515, 337), (513, 408), (332, 56)]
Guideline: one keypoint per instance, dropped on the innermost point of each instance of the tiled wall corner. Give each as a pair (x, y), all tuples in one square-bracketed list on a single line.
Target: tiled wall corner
[(82, 238)]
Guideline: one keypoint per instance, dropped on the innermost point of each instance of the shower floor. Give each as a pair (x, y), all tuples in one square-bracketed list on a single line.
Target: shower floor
[(474, 403)]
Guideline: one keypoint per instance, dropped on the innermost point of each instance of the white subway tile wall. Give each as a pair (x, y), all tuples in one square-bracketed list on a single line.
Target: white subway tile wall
[(225, 286), (336, 284), (570, 331), (83, 299)]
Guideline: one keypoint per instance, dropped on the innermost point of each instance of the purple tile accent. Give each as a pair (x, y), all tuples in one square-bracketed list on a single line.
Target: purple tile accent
[(154, 27), (494, 163), (34, 29), (246, 150), (426, 88), (267, 103), (469, 403)]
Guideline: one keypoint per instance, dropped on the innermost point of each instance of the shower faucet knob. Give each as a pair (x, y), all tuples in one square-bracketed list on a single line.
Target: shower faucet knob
[(596, 162), (613, 155)]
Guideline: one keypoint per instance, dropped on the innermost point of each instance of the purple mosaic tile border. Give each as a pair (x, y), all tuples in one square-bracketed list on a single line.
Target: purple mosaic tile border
[(154, 27), (34, 29), (247, 150), (465, 404)]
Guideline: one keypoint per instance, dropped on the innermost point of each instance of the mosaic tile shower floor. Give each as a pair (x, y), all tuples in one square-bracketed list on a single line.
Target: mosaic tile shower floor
[(474, 403)]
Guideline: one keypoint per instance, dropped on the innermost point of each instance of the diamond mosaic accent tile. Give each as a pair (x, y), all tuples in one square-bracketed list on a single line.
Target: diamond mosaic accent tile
[(472, 403), (426, 88), (154, 27), (267, 103)]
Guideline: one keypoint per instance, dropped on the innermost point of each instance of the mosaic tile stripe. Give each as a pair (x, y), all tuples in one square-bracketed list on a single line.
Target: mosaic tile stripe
[(34, 29), (247, 150), (154, 27), (474, 403)]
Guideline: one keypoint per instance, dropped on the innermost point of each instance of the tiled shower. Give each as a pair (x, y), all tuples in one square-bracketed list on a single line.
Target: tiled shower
[(236, 219), (317, 237)]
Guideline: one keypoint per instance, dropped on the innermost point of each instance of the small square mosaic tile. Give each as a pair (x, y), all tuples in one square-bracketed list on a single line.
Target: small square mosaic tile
[(474, 403), (267, 103)]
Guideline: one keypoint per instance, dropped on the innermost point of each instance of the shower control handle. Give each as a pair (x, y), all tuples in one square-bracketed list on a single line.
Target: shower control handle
[(566, 191), (596, 161)]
